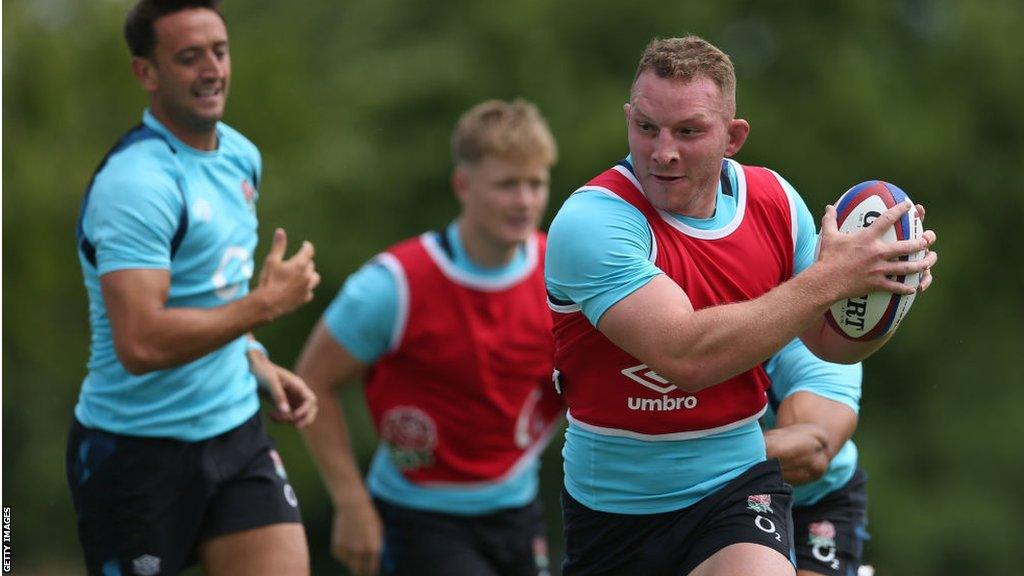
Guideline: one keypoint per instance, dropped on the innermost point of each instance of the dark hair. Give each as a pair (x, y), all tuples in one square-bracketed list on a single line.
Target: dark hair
[(138, 23)]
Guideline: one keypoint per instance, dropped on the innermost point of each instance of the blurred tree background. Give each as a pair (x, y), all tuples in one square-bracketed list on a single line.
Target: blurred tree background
[(352, 103)]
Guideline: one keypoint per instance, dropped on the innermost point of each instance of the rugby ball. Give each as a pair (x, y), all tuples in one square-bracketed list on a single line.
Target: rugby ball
[(876, 314)]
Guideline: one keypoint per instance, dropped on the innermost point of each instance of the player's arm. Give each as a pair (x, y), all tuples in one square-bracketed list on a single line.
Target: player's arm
[(148, 335), (293, 401), (695, 349), (809, 431), (357, 328), (357, 534)]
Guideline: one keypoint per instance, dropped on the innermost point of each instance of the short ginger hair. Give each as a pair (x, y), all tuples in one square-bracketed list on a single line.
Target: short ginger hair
[(688, 58)]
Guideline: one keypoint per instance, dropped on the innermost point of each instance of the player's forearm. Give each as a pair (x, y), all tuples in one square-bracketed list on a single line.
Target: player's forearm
[(167, 337), (802, 449), (328, 441), (825, 422), (829, 345), (716, 343)]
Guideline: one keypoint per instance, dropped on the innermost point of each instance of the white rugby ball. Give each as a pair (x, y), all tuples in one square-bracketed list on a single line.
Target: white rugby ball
[(876, 314)]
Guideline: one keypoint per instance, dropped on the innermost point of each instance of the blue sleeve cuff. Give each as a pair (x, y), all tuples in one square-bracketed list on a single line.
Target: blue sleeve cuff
[(361, 318), (254, 344)]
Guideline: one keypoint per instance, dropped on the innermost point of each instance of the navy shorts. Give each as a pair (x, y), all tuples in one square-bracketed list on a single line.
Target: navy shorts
[(510, 542), (830, 534), (144, 504), (754, 507)]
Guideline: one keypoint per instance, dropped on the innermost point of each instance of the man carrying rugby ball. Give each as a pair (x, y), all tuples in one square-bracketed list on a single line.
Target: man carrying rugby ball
[(673, 276)]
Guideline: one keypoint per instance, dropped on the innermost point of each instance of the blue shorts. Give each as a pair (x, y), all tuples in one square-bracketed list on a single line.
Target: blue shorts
[(509, 542), (754, 507), (830, 534), (145, 504)]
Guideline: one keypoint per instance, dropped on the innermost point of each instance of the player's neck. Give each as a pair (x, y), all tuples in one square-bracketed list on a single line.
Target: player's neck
[(700, 205), (199, 138), (482, 249)]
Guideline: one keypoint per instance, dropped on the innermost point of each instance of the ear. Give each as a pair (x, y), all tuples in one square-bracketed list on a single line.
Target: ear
[(625, 110), (460, 183), (738, 132), (144, 71)]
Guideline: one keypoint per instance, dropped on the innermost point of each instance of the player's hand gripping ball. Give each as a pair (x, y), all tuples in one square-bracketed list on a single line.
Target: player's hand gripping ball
[(876, 314)]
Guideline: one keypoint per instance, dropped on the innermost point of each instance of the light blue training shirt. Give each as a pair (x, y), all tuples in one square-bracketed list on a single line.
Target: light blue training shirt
[(152, 195), (361, 319), (598, 252), (796, 369)]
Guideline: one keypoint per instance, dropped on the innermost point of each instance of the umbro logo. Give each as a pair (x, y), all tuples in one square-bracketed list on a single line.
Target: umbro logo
[(649, 378), (652, 380)]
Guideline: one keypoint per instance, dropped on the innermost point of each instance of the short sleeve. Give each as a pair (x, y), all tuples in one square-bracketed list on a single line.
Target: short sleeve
[(258, 168), (598, 252), (797, 369), (361, 317), (806, 231), (131, 220)]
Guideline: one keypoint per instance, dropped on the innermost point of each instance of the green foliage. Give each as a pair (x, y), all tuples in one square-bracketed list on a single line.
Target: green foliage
[(352, 104)]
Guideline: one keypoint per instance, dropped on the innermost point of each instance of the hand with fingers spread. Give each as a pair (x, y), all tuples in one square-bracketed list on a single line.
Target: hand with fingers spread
[(357, 537), (862, 262), (287, 284), (926, 274), (293, 401)]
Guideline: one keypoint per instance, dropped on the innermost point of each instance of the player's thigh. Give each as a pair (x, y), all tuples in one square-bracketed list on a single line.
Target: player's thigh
[(252, 489), (744, 559), (749, 518), (430, 544), (138, 501), (829, 536), (516, 540), (274, 550), (252, 523), (447, 558)]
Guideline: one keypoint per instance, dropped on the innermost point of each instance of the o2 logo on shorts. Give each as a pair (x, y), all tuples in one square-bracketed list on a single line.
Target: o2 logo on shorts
[(762, 504), (290, 497), (289, 492), (822, 538)]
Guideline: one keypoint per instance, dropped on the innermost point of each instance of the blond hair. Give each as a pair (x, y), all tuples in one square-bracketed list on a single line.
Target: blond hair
[(689, 58), (509, 130)]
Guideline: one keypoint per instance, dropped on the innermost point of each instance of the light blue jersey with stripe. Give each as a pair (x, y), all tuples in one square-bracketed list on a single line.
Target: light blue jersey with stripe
[(156, 203), (361, 318), (599, 252), (796, 369)]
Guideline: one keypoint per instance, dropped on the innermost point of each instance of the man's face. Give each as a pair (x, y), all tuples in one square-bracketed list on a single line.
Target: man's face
[(188, 74), (678, 135), (503, 200)]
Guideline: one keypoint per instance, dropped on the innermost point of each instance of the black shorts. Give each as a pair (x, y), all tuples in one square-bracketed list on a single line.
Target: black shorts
[(754, 507), (144, 504), (830, 534), (510, 542)]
